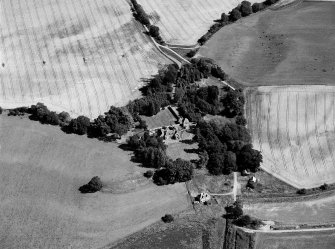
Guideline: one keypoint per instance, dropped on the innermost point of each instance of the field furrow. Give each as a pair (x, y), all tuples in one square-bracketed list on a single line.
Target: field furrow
[(184, 22), (294, 129)]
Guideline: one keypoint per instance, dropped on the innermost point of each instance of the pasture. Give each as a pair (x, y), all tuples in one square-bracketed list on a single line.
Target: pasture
[(296, 240), (77, 56), (291, 45), (41, 169), (183, 22), (294, 128)]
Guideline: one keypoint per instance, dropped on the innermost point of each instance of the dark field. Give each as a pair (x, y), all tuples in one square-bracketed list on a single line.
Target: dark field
[(293, 45), (296, 240)]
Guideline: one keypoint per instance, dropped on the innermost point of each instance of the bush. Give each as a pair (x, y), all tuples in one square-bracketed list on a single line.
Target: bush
[(270, 2), (64, 117), (148, 174), (93, 186), (324, 187), (154, 31), (224, 17), (79, 125), (167, 218), (191, 53), (1, 110), (257, 7), (245, 8), (302, 191), (240, 120), (234, 15), (234, 211), (249, 222)]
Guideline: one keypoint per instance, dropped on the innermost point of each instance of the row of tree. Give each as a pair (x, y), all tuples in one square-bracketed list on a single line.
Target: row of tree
[(116, 120), (141, 16), (242, 10)]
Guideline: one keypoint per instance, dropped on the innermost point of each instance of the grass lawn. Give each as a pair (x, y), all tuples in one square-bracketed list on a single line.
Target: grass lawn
[(41, 207)]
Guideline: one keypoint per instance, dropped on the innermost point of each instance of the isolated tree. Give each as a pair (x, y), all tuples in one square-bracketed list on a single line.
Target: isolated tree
[(94, 185), (167, 218), (234, 15)]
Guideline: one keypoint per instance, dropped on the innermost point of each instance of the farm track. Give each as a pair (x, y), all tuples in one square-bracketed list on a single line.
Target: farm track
[(294, 136)]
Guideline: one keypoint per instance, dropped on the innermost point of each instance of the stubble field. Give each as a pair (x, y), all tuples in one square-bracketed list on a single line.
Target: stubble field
[(119, 56), (183, 22), (41, 169), (294, 128), (292, 45)]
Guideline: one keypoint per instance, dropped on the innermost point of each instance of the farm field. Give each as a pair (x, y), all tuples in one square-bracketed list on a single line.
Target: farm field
[(296, 240), (183, 22), (294, 127), (291, 45), (118, 55), (314, 212), (41, 169)]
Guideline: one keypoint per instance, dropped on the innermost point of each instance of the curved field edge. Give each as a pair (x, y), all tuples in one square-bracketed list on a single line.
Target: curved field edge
[(292, 45), (293, 127), (41, 171), (184, 22), (79, 61)]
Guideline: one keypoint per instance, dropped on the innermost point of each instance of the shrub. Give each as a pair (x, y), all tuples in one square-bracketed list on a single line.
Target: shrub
[(249, 222), (79, 125), (154, 31), (234, 211), (302, 191), (64, 117), (240, 120), (324, 187), (270, 2), (257, 7), (148, 174), (224, 17), (191, 53), (245, 8), (94, 185), (1, 110), (234, 15), (167, 218)]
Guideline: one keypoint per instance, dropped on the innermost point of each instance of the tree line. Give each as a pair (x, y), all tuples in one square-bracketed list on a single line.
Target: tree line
[(242, 10), (141, 16)]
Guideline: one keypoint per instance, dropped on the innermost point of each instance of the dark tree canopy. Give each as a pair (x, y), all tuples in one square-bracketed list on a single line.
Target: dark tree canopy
[(79, 125), (234, 15), (249, 158), (245, 8), (94, 185)]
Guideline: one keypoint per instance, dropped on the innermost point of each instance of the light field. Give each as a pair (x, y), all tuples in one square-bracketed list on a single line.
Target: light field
[(294, 127), (183, 22), (41, 169), (61, 33), (296, 240)]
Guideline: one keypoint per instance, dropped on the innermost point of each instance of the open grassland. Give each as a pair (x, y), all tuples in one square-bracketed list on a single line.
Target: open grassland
[(41, 169), (296, 240), (293, 45), (314, 212), (119, 56), (161, 119), (183, 22), (294, 127)]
